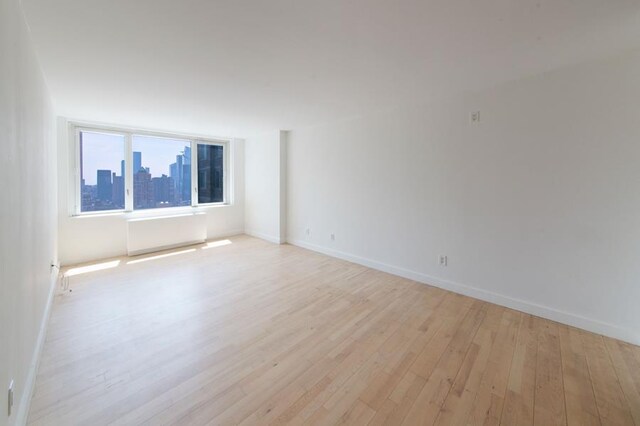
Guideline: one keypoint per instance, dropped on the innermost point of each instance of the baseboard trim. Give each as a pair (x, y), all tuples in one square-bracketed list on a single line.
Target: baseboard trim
[(553, 314), (263, 236), (22, 412), (133, 253)]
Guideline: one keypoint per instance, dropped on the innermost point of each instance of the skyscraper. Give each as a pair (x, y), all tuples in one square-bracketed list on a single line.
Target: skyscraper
[(210, 174), (163, 190), (178, 179), (104, 185), (137, 162), (118, 191), (187, 155), (173, 171), (142, 190), (180, 171), (186, 185)]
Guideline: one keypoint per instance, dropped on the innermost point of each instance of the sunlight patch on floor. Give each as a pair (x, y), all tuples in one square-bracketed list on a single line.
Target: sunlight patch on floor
[(91, 268), (219, 243)]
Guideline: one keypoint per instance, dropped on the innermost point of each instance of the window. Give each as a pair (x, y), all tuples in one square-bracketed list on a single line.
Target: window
[(101, 157), (127, 171)]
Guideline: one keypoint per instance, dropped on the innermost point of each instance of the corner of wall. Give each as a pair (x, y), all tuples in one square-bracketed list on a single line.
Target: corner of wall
[(265, 181)]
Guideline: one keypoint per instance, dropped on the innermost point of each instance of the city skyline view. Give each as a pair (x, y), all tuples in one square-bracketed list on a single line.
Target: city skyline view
[(105, 151), (162, 178)]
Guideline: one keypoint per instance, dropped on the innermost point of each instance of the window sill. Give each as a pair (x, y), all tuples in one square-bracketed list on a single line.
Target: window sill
[(151, 213)]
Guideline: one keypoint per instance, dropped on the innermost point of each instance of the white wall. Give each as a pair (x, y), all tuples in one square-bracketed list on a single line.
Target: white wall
[(537, 207), (27, 213), (88, 238), (265, 213)]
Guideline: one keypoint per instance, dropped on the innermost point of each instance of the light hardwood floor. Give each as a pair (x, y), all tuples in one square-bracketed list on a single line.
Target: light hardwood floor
[(255, 333)]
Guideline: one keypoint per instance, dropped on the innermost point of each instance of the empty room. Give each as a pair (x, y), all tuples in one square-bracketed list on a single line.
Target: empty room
[(360, 212)]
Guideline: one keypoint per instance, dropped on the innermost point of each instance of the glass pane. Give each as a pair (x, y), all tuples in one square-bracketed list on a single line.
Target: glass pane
[(210, 174), (101, 159), (161, 172)]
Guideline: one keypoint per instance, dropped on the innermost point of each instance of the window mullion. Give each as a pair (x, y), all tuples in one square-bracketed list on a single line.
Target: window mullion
[(128, 173), (226, 179), (78, 178), (194, 173)]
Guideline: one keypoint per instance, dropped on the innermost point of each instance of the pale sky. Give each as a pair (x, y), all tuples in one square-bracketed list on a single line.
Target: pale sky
[(103, 151)]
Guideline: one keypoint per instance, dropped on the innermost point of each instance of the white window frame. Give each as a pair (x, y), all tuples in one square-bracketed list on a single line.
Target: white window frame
[(129, 133)]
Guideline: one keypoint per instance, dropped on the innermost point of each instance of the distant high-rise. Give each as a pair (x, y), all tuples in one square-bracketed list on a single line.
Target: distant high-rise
[(187, 155), (118, 191), (142, 190), (173, 171), (178, 180), (163, 190), (186, 184), (210, 174), (137, 162), (180, 171), (104, 185)]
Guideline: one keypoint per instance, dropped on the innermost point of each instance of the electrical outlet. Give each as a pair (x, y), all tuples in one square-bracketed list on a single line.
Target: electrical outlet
[(308, 231), (442, 260), (10, 399), (474, 117), (333, 237)]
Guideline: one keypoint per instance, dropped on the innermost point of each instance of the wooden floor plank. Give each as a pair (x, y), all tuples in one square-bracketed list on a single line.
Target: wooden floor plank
[(627, 368), (489, 399), (612, 404), (520, 395), (549, 396), (427, 406), (578, 392), (459, 402)]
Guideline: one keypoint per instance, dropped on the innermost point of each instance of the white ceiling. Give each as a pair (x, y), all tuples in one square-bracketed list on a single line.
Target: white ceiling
[(234, 67)]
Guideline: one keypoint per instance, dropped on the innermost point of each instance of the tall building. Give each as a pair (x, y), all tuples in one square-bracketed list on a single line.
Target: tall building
[(163, 190), (142, 190), (173, 172), (178, 179), (104, 185), (118, 191), (210, 174), (185, 198), (180, 171), (187, 155), (137, 162)]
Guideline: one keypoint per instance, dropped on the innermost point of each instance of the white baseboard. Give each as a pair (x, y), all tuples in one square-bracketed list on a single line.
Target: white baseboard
[(22, 411), (263, 236), (163, 248), (563, 317)]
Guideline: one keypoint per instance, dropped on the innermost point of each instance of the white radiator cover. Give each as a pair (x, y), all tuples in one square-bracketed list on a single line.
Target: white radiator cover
[(145, 235)]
